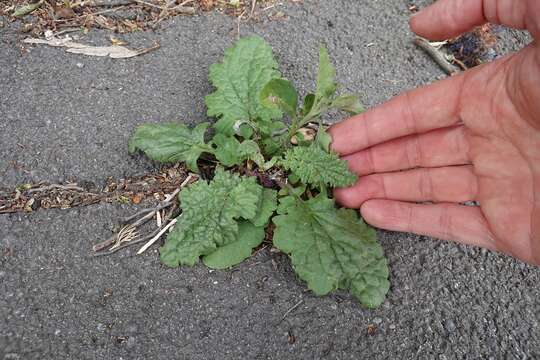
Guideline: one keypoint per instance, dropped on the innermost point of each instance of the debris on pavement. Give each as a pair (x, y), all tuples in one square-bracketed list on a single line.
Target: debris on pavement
[(113, 51), (31, 197), (166, 211), (475, 47), (26, 9), (121, 16), (433, 50), (463, 52)]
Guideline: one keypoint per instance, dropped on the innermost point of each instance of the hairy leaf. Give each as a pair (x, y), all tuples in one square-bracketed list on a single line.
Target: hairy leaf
[(267, 207), (324, 139), (171, 142), (326, 85), (209, 217), (229, 151), (246, 68), (249, 149), (280, 94), (249, 236), (331, 248), (317, 167), (309, 100), (348, 103), (226, 149)]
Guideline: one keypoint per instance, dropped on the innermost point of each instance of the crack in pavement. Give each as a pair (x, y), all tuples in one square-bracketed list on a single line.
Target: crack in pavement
[(31, 197)]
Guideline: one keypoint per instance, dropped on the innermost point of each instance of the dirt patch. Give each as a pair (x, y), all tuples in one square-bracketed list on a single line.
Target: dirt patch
[(124, 16)]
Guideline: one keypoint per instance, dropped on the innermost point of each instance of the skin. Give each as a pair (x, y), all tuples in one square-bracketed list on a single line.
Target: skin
[(474, 136)]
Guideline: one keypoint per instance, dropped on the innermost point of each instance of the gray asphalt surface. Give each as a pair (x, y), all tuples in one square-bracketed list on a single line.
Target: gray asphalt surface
[(61, 120)]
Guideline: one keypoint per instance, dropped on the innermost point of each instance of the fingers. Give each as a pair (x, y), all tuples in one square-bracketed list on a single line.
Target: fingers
[(464, 224), (421, 110), (448, 18), (437, 148), (447, 184)]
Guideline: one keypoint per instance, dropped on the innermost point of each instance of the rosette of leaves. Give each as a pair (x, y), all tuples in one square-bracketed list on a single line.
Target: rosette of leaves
[(258, 113)]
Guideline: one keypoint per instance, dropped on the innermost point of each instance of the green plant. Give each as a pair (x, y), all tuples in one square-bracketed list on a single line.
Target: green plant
[(268, 171)]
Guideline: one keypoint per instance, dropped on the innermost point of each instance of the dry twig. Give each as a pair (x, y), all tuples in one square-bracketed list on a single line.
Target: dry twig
[(292, 309), (436, 55), (155, 238)]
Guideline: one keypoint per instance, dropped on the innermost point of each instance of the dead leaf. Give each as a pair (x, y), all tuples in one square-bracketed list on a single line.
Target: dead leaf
[(117, 42), (115, 52), (207, 5), (65, 13), (26, 9), (306, 134)]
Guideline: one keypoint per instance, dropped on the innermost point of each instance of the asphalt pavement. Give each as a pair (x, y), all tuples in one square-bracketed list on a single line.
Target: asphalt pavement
[(68, 117)]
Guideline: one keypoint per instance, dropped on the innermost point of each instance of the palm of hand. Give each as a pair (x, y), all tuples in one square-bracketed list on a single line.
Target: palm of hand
[(475, 136), (501, 136)]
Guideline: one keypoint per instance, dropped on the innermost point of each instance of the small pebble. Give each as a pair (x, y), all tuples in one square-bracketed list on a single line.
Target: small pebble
[(80, 65), (450, 326), (377, 320), (392, 327), (101, 327)]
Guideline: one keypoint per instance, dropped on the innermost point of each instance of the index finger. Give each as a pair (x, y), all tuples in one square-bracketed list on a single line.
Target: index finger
[(416, 111)]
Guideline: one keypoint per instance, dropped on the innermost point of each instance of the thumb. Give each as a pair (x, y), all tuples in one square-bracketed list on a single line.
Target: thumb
[(448, 18)]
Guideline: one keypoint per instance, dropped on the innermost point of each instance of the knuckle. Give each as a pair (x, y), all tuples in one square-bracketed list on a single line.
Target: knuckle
[(426, 184), (445, 223)]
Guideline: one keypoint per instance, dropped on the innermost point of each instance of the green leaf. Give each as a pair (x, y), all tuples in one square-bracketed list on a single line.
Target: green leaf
[(267, 207), (226, 149), (285, 204), (317, 167), (324, 139), (171, 142), (245, 131), (250, 150), (280, 94), (331, 249), (309, 100), (271, 163), (26, 9), (249, 237), (247, 66), (229, 151), (326, 85), (209, 217), (270, 127), (348, 103)]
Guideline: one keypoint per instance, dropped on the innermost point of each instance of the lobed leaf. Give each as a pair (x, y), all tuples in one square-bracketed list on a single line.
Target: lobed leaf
[(247, 66), (314, 166), (331, 249), (249, 237), (229, 151), (209, 217), (226, 151), (171, 142), (267, 207)]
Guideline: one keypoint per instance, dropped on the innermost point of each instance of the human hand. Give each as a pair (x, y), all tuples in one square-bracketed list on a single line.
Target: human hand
[(474, 136)]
